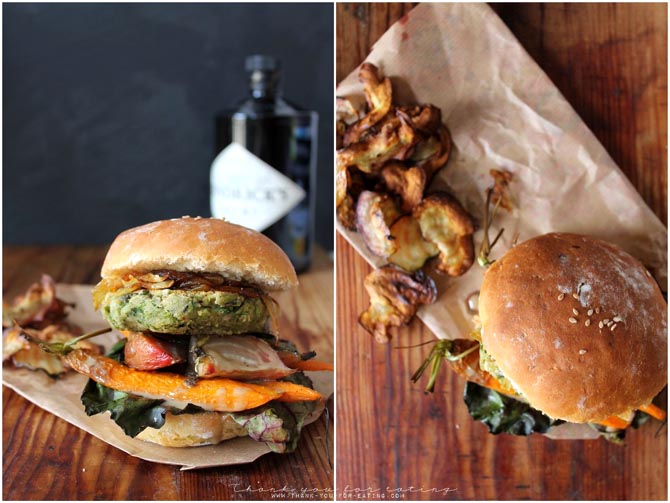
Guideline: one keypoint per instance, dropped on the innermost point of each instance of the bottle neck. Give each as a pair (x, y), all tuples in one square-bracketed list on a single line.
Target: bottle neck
[(264, 85)]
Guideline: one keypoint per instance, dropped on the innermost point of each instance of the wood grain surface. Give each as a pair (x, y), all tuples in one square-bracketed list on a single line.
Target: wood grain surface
[(394, 442), (46, 458)]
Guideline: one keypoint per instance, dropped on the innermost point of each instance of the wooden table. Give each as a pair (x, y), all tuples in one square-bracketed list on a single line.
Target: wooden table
[(609, 61), (46, 458)]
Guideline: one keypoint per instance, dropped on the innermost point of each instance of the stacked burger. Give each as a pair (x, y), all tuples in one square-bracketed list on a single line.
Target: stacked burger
[(572, 329), (201, 360)]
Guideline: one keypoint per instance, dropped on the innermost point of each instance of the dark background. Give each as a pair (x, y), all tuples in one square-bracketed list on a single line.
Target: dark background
[(108, 118)]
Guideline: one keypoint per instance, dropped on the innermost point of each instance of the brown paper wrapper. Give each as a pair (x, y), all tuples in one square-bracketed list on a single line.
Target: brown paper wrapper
[(504, 113), (61, 398)]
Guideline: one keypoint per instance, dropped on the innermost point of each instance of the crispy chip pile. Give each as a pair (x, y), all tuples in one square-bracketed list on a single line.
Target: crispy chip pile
[(387, 157), (40, 314), (38, 307)]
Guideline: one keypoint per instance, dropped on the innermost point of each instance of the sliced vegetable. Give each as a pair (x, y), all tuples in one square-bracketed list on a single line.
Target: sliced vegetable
[(276, 424), (445, 223), (218, 394), (408, 183), (378, 95), (374, 215), (37, 307), (349, 184), (432, 164), (393, 138), (412, 250), (279, 424), (240, 357), (310, 365), (395, 297), (615, 422), (653, 411), (24, 353), (291, 392), (616, 435), (147, 352), (346, 115), (425, 118)]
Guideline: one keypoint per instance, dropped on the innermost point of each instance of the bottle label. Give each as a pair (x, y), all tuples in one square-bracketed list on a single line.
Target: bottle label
[(247, 191)]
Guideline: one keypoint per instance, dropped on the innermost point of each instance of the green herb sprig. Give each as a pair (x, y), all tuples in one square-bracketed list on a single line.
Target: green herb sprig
[(440, 351), (487, 245), (59, 348)]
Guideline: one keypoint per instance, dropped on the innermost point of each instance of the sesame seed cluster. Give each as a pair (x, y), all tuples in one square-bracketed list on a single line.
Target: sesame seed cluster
[(590, 313)]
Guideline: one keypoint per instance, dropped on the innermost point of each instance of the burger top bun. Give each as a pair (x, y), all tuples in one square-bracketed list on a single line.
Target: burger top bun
[(201, 245), (577, 325)]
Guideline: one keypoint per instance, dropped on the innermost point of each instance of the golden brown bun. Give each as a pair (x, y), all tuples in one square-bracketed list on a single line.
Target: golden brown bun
[(201, 245), (190, 430), (570, 370)]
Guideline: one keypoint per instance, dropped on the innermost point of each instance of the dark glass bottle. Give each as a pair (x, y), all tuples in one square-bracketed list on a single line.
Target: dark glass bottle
[(283, 136)]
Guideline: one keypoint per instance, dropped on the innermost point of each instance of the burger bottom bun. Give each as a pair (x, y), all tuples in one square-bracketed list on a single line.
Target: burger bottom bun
[(190, 430)]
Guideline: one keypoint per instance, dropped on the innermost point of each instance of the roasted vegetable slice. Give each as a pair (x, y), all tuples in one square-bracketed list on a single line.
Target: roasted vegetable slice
[(394, 139), (378, 95), (276, 424), (147, 352), (242, 357), (223, 395), (23, 353), (444, 222), (412, 250), (292, 392), (37, 307), (349, 183), (425, 118), (432, 164), (346, 115), (395, 297), (346, 213), (408, 183), (342, 182), (374, 215)]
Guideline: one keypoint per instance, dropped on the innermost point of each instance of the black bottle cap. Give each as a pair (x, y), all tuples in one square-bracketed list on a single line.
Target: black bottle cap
[(261, 62)]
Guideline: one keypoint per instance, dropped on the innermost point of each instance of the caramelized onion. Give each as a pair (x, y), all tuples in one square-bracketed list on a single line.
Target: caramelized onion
[(176, 280), (161, 285)]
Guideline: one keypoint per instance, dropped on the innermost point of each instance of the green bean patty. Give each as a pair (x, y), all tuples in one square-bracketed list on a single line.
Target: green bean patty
[(185, 312)]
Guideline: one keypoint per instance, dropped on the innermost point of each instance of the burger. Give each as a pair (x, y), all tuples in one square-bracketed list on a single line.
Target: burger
[(200, 360), (571, 329)]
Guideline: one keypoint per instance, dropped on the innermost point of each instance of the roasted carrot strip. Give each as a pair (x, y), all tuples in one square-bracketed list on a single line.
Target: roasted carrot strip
[(291, 392), (615, 422), (311, 365), (222, 395), (494, 384), (653, 411)]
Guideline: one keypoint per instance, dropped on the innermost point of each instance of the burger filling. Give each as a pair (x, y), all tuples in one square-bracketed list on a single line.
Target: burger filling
[(488, 364), (182, 303), (180, 312)]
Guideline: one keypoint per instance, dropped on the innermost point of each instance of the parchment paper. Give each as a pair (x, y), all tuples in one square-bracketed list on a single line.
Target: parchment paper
[(61, 398), (504, 113)]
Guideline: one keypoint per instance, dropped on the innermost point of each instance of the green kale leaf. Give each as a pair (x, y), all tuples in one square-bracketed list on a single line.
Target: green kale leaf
[(131, 413), (503, 414)]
